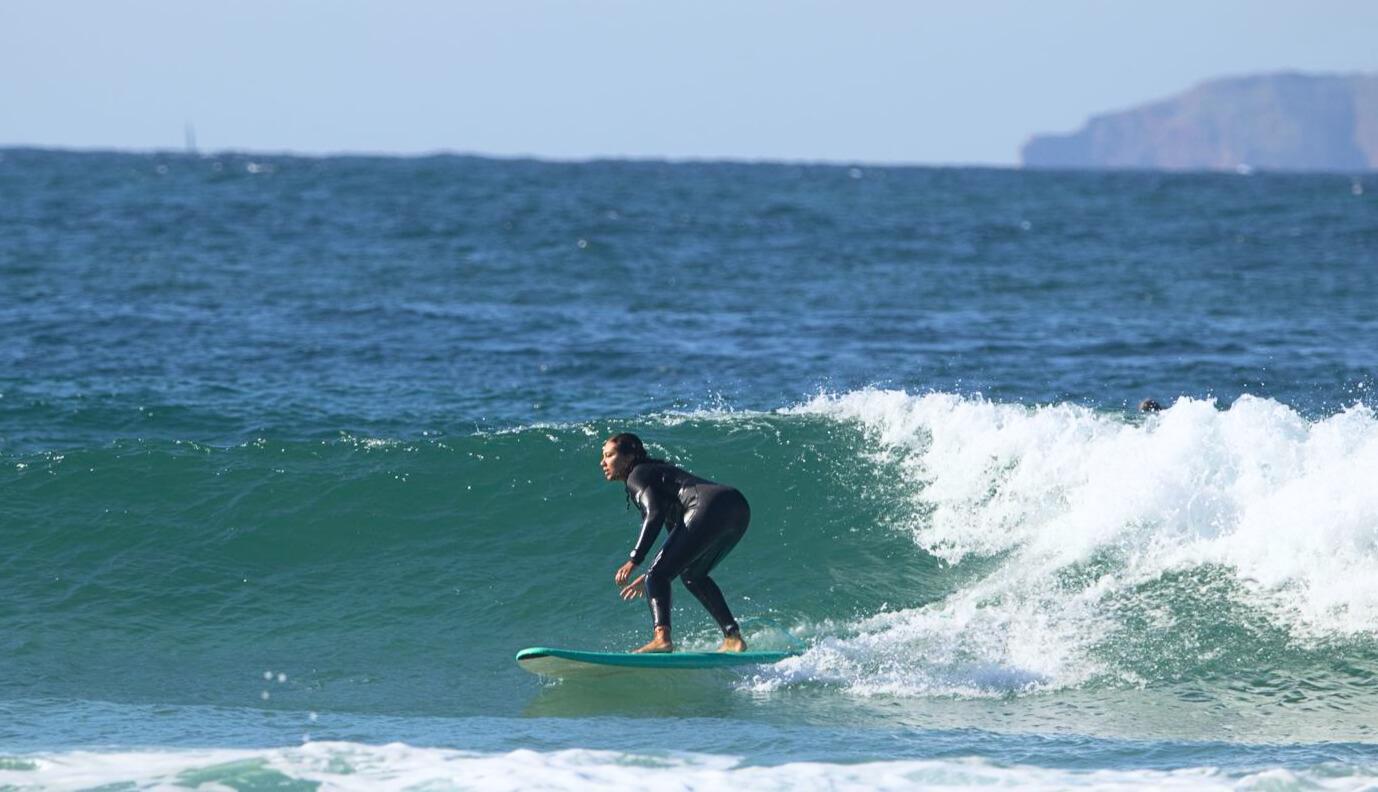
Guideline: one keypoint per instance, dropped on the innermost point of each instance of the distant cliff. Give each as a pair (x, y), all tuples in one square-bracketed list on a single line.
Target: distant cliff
[(1271, 122)]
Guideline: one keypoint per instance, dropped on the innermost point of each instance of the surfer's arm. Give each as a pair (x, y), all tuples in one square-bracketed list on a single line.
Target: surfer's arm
[(652, 516), (650, 525)]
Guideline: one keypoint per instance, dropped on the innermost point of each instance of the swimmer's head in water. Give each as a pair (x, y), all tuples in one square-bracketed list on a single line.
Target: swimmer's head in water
[(1150, 406), (621, 453)]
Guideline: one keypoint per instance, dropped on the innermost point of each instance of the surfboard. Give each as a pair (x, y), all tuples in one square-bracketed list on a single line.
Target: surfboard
[(573, 662)]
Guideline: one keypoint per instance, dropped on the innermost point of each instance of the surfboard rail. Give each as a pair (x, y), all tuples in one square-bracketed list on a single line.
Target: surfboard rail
[(549, 661)]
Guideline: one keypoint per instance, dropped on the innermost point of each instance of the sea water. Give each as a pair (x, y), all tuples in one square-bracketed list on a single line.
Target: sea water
[(295, 453)]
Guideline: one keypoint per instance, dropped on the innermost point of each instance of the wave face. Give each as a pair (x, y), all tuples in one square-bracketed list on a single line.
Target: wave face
[(923, 547)]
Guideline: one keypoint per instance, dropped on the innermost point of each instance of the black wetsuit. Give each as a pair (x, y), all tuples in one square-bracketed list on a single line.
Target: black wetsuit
[(704, 519)]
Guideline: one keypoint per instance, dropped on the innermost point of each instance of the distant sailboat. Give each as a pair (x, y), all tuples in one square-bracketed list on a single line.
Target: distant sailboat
[(191, 138)]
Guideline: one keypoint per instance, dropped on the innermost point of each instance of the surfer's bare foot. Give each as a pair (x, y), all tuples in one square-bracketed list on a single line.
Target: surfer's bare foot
[(660, 643), (732, 643)]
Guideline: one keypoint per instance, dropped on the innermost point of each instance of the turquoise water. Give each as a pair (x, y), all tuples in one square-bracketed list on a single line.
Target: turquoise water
[(296, 453)]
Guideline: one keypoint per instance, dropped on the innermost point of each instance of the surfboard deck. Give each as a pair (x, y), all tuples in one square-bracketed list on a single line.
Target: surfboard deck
[(573, 662)]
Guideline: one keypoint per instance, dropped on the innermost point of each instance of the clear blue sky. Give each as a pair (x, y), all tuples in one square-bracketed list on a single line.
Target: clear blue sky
[(925, 82)]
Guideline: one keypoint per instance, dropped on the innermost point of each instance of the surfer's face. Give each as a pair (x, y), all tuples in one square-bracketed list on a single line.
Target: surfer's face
[(614, 464)]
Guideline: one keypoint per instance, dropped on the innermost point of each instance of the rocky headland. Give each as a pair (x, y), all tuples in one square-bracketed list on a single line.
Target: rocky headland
[(1291, 122)]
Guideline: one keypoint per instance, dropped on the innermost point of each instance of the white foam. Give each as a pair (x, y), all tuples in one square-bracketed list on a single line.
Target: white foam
[(1288, 505), (354, 766)]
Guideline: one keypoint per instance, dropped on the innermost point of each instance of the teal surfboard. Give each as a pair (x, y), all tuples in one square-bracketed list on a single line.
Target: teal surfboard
[(572, 662)]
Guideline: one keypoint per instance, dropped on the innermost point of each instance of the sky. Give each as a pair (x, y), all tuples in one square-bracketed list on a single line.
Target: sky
[(858, 81)]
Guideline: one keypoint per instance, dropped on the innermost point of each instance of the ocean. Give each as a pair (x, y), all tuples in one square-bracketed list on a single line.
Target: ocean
[(296, 453)]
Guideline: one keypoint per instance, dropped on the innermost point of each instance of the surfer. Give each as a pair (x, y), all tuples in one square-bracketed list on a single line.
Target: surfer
[(704, 521)]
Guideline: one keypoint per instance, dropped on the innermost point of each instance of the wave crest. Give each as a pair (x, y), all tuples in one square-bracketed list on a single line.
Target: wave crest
[(1087, 521)]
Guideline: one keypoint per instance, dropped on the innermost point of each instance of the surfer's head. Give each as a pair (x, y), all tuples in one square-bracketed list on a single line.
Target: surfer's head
[(621, 453)]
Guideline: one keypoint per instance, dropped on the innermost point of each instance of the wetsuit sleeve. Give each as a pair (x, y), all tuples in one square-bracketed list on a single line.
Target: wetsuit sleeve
[(652, 512)]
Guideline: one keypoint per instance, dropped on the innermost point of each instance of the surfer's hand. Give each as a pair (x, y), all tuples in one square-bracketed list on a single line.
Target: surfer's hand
[(636, 589), (623, 572)]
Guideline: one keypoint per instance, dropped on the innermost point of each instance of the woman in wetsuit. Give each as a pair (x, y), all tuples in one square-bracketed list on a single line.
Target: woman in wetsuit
[(704, 520)]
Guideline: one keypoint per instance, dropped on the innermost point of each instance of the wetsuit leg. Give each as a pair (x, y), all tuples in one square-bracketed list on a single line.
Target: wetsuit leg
[(709, 532), (674, 555), (696, 577)]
